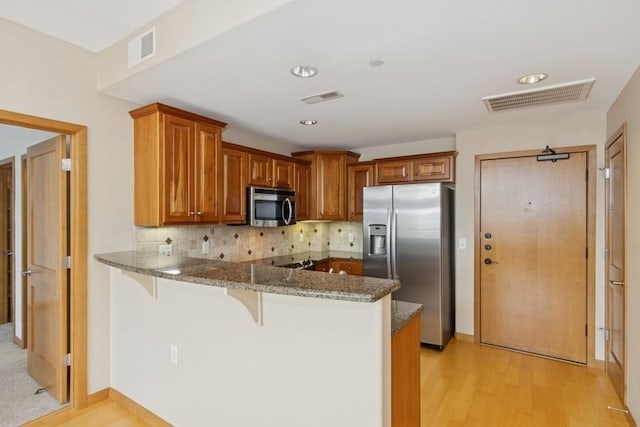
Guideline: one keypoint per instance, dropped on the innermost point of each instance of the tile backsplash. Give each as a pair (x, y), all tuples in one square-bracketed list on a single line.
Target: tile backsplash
[(244, 243)]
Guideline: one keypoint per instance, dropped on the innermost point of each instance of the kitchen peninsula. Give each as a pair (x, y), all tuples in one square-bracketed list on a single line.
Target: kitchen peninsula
[(203, 342)]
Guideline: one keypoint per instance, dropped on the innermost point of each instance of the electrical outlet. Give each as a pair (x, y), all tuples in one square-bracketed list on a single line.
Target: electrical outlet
[(350, 237), (205, 247), (462, 243), (165, 249), (301, 238), (173, 354)]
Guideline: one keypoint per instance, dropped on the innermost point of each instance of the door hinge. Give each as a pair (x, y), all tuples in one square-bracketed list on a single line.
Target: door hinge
[(606, 253), (67, 262), (66, 165), (586, 330), (607, 173), (67, 359), (586, 253)]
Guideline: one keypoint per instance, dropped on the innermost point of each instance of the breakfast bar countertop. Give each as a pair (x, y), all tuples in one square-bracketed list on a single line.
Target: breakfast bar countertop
[(252, 276)]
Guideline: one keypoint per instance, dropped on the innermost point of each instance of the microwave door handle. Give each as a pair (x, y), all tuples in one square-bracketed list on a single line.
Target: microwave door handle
[(287, 219)]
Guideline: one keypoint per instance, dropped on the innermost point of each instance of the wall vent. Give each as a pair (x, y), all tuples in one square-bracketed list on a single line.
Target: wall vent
[(321, 97), (142, 47), (556, 94)]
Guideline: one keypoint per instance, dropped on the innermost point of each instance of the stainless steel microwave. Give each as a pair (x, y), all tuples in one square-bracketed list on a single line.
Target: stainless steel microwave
[(270, 207)]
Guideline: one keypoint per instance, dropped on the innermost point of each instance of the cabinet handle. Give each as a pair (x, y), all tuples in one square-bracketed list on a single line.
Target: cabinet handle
[(404, 172), (199, 213), (191, 213)]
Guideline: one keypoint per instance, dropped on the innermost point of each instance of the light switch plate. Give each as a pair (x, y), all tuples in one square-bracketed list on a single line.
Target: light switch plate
[(462, 243), (350, 237)]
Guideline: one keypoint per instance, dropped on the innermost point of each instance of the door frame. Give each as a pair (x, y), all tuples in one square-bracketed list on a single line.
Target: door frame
[(78, 236), (591, 239)]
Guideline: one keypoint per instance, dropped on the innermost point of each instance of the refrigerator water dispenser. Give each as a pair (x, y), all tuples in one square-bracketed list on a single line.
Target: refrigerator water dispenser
[(377, 236)]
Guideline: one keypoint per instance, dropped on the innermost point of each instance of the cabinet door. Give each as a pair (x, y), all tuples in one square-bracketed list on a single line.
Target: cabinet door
[(331, 179), (302, 187), (394, 171), (233, 192), (432, 169), (206, 173), (347, 265), (178, 161), (282, 174), (260, 173), (323, 266), (359, 176)]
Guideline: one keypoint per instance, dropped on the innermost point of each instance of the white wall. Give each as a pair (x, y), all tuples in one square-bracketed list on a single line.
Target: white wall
[(13, 143), (626, 109), (45, 77), (313, 362), (584, 129), (406, 148)]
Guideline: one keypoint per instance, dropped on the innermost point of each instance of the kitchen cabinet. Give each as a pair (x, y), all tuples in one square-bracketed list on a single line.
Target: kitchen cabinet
[(435, 167), (328, 193), (267, 171), (359, 175), (302, 187), (349, 266), (405, 375), (233, 185), (176, 173)]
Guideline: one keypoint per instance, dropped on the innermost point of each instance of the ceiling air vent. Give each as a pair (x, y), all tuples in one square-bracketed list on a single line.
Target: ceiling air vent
[(142, 47), (321, 97), (556, 94)]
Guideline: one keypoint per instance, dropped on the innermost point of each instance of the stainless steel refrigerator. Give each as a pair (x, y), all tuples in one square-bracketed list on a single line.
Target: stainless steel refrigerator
[(408, 235)]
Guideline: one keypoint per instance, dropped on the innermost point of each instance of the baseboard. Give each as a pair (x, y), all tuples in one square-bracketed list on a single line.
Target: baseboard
[(17, 341), (596, 364), (52, 418), (464, 337), (98, 396), (135, 408), (630, 420)]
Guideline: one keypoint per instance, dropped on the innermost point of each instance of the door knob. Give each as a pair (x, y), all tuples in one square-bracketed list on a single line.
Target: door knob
[(616, 282), (27, 273), (489, 261)]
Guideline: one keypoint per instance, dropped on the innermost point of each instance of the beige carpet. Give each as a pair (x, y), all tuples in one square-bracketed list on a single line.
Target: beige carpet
[(18, 403)]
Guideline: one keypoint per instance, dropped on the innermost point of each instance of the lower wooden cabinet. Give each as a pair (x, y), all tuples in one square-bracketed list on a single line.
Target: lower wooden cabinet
[(349, 266), (405, 375)]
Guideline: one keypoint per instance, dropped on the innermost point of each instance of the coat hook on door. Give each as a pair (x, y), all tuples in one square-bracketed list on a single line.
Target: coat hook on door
[(550, 154)]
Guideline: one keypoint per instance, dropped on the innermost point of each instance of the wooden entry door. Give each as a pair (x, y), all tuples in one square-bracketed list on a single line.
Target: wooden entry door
[(615, 359), (47, 296), (533, 262), (6, 242)]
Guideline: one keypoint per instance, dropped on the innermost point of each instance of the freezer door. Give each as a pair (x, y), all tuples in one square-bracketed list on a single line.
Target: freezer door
[(377, 210), (417, 208)]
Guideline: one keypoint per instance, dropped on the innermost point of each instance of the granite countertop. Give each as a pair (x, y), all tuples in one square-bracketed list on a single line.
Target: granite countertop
[(402, 313), (254, 276), (312, 255)]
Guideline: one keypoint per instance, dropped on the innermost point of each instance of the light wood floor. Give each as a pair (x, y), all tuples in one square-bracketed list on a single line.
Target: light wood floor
[(469, 385), (473, 385)]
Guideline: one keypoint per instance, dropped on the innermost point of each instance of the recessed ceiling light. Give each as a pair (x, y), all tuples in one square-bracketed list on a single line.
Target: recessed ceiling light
[(376, 62), (532, 78), (304, 71), (308, 122)]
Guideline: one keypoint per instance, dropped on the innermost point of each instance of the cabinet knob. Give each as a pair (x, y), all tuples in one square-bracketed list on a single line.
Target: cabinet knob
[(199, 213), (191, 213)]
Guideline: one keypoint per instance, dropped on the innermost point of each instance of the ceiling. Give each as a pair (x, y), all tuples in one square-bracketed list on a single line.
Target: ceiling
[(440, 58), (93, 25)]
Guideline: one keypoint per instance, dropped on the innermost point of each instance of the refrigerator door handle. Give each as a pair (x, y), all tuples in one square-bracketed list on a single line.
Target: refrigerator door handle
[(394, 260), (388, 244)]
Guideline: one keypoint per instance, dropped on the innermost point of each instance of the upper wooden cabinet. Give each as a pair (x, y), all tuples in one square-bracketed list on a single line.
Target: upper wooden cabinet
[(302, 187), (233, 197), (359, 175), (269, 170), (328, 182), (176, 173), (436, 167)]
